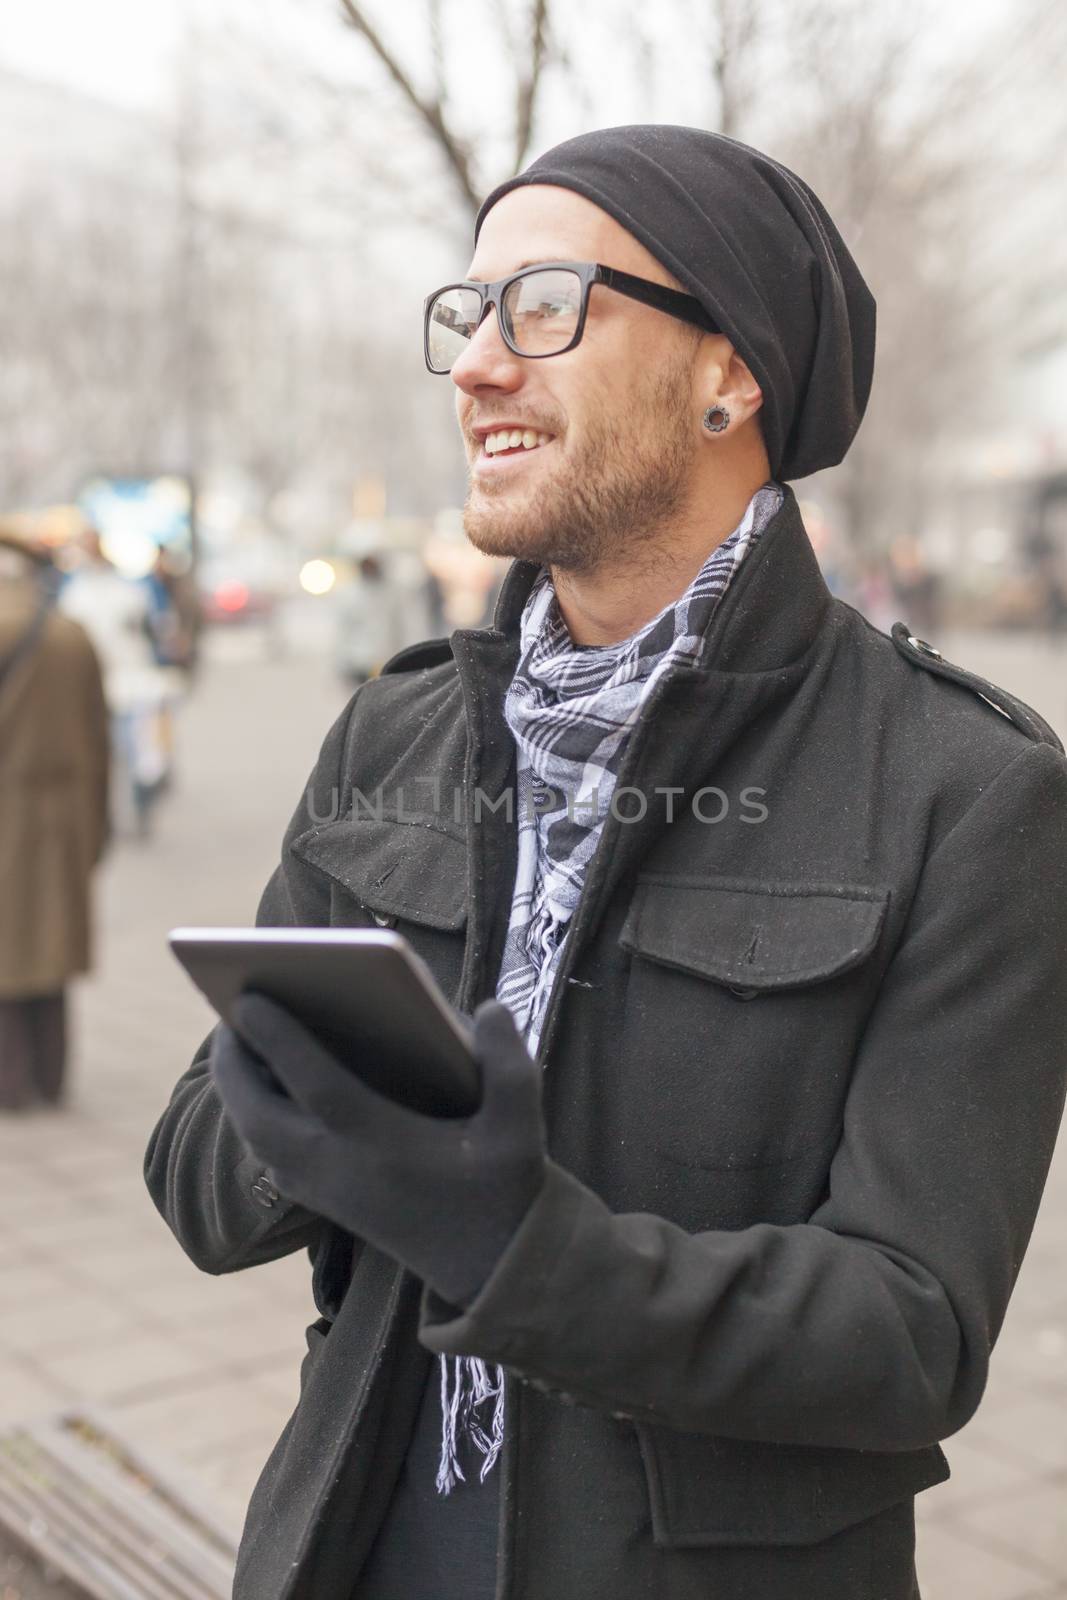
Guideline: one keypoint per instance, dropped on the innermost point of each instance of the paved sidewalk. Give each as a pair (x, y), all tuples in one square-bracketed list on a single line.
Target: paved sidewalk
[(100, 1305)]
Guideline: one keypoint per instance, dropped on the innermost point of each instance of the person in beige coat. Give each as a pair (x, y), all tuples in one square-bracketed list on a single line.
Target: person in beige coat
[(54, 758)]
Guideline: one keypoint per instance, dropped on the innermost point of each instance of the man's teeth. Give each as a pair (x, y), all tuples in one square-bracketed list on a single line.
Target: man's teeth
[(511, 438)]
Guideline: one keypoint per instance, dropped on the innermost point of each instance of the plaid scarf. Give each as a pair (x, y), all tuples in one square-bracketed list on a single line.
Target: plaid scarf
[(571, 711)]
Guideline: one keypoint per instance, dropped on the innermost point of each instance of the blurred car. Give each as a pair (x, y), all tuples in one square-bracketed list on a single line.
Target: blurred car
[(232, 594)]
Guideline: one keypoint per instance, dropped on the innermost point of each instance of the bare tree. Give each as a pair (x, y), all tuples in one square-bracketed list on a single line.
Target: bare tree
[(528, 50), (84, 346), (892, 151), (738, 26), (161, 314)]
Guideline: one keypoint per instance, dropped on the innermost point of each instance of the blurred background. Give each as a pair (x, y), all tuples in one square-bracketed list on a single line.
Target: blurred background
[(217, 224), (223, 465)]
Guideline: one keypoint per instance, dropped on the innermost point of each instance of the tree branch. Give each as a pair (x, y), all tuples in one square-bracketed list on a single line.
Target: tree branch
[(437, 51), (431, 112), (529, 81)]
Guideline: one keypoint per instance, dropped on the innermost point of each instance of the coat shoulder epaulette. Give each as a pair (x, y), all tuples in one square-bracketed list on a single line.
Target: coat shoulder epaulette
[(1017, 711), (430, 653)]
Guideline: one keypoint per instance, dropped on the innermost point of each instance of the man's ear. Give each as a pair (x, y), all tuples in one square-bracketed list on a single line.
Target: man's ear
[(740, 391), (722, 377)]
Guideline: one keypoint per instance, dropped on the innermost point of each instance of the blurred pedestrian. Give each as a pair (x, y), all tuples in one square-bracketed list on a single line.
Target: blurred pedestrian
[(916, 587), (117, 613), (874, 593), (370, 621), (164, 627), (174, 614), (54, 756), (1044, 551)]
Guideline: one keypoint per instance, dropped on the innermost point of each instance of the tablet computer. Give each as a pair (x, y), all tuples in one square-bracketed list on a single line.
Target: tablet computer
[(363, 992)]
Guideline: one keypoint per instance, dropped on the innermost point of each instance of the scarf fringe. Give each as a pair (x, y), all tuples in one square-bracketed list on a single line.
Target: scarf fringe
[(471, 1386)]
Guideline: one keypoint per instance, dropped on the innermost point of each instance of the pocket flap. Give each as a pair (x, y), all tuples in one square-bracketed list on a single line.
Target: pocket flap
[(753, 935), (705, 1490), (399, 869)]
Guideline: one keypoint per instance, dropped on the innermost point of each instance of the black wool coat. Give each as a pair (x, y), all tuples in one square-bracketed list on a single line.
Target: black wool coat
[(804, 1066)]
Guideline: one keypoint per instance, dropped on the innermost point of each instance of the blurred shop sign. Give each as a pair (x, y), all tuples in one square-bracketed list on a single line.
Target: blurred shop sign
[(138, 516)]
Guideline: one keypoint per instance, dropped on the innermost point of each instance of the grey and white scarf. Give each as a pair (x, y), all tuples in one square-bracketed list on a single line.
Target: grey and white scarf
[(571, 711)]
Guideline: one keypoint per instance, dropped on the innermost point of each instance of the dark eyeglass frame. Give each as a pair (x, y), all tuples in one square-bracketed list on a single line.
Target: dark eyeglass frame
[(685, 307)]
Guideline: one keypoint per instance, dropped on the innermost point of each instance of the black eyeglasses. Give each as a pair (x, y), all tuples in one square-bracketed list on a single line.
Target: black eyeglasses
[(541, 310)]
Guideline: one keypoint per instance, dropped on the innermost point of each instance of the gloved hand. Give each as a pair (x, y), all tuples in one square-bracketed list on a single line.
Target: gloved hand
[(442, 1195)]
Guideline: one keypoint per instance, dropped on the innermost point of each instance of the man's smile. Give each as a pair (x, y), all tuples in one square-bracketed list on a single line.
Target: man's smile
[(505, 448)]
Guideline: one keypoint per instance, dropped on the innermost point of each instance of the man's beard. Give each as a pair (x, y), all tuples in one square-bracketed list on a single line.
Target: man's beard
[(614, 504)]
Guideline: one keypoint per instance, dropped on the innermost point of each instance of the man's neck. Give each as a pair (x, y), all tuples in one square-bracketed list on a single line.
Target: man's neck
[(614, 601)]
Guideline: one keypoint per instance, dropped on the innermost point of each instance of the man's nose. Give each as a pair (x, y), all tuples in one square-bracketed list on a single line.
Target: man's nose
[(487, 362)]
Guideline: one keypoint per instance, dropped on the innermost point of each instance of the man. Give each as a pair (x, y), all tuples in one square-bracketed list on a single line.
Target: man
[(777, 905), (53, 823)]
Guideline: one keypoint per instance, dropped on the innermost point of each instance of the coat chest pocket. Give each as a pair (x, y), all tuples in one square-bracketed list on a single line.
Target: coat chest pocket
[(404, 875), (705, 1490), (744, 1005)]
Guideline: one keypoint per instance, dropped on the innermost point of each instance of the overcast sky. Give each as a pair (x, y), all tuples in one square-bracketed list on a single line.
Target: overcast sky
[(117, 49), (122, 49)]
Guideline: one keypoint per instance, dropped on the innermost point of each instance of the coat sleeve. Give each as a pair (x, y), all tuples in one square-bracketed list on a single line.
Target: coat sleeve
[(198, 1172), (98, 746), (870, 1325)]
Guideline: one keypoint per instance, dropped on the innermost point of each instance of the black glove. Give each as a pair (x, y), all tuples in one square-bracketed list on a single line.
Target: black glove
[(442, 1195)]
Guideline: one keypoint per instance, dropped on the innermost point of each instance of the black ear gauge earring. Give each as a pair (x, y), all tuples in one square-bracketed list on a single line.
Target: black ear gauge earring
[(716, 419)]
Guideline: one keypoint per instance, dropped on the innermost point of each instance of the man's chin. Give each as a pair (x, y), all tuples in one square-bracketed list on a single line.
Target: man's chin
[(499, 532)]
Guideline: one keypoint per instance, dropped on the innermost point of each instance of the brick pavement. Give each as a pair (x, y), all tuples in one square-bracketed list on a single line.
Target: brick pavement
[(100, 1305)]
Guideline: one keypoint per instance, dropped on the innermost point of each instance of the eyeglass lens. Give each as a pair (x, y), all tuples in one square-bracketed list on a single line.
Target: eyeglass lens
[(540, 315)]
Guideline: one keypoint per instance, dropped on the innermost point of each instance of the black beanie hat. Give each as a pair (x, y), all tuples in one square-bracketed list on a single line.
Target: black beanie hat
[(756, 247)]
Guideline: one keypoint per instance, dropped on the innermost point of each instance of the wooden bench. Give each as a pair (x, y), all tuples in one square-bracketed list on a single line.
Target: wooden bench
[(91, 1506)]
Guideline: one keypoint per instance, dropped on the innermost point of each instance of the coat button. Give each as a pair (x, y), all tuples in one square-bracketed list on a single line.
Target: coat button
[(744, 994), (264, 1192)]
